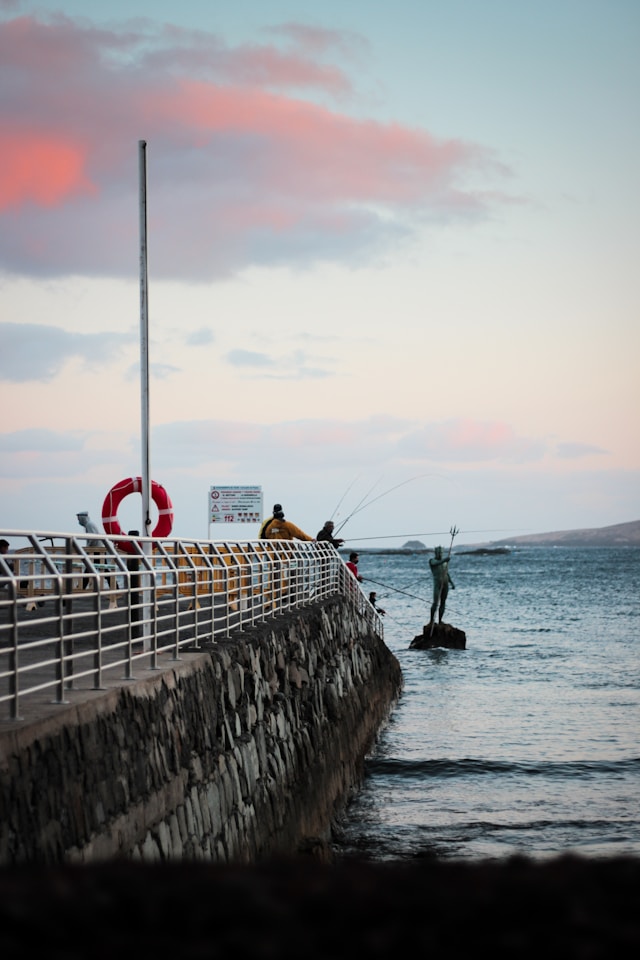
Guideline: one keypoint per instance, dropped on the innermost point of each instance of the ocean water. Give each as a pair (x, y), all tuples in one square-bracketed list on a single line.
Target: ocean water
[(528, 741)]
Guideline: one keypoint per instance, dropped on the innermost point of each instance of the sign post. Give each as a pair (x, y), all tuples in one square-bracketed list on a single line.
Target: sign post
[(235, 505)]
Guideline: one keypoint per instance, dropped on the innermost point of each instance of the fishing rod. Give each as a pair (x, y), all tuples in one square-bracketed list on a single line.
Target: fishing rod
[(361, 506), (358, 506), (413, 596), (342, 498), (387, 586)]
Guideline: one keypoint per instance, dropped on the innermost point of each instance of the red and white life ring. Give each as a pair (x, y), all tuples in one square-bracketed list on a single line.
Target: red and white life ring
[(134, 485)]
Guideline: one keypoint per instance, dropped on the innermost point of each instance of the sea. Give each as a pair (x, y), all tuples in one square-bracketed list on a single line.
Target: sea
[(527, 742)]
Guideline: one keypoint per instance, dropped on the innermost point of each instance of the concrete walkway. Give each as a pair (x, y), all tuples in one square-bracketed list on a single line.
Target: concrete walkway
[(90, 666)]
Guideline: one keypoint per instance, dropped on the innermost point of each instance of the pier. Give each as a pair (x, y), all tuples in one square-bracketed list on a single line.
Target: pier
[(204, 701)]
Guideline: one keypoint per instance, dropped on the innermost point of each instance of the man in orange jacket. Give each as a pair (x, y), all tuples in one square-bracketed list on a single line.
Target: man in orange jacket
[(281, 529)]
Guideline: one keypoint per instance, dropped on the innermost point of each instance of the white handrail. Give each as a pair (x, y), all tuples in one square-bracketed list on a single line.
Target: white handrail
[(73, 608)]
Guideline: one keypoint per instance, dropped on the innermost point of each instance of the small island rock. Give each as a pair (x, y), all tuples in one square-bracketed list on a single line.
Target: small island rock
[(443, 635)]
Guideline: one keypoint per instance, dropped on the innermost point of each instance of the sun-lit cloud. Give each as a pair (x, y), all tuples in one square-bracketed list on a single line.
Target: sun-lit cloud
[(244, 165), (375, 439), (316, 41), (469, 440), (380, 439), (39, 168), (369, 255)]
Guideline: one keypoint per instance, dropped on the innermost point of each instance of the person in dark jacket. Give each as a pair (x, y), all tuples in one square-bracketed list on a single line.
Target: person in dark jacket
[(373, 600), (327, 534)]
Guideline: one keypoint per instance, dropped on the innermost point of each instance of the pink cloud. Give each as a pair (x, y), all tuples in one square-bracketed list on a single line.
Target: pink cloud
[(40, 169), (375, 440), (310, 150), (241, 169), (466, 440)]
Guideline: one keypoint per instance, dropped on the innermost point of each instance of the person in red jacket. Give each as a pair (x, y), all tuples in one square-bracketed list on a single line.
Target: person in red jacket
[(281, 529), (352, 564)]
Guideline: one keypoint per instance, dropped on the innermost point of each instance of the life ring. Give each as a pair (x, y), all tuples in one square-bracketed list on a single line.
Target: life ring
[(134, 485)]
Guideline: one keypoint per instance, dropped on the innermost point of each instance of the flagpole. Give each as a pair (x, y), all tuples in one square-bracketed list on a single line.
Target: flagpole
[(144, 344), (144, 390)]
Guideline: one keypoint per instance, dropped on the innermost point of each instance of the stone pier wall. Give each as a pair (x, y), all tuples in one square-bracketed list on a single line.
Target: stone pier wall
[(247, 749)]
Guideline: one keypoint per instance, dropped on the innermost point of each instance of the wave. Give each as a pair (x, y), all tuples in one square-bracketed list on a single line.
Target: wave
[(469, 767)]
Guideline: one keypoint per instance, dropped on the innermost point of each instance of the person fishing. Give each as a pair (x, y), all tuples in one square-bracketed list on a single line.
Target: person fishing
[(85, 521), (92, 545), (266, 523), (281, 529), (352, 565), (326, 534), (439, 567), (373, 600)]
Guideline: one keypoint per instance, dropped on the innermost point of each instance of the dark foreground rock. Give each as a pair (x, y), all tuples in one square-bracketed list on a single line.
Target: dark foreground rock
[(567, 908), (440, 635)]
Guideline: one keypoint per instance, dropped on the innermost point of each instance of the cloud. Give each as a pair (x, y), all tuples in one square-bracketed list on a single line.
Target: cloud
[(41, 441), (249, 358), (380, 439), (241, 168), (288, 367), (466, 440), (312, 466), (32, 351), (575, 451), (199, 338), (48, 454)]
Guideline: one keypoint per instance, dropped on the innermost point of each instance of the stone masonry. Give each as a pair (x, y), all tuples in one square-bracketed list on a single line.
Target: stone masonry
[(244, 750)]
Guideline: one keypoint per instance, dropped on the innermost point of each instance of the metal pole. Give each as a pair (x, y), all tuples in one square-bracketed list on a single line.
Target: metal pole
[(144, 343), (144, 380)]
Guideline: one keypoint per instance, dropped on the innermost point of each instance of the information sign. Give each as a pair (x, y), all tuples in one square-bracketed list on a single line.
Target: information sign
[(235, 505)]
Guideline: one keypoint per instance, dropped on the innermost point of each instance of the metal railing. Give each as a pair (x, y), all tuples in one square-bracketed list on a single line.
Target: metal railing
[(74, 608)]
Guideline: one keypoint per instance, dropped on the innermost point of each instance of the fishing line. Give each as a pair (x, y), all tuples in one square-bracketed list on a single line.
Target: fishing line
[(342, 497), (430, 533), (395, 589), (358, 507), (414, 596), (392, 536), (361, 506), (398, 622)]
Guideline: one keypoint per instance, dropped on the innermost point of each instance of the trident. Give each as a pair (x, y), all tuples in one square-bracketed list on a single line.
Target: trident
[(454, 533)]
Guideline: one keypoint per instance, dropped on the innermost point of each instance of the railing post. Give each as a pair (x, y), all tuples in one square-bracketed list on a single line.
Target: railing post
[(133, 565)]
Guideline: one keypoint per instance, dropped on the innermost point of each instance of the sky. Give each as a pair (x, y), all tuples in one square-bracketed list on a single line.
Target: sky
[(391, 262)]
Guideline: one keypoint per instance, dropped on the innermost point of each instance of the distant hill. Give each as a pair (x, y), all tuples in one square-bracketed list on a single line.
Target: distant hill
[(618, 535), (414, 545)]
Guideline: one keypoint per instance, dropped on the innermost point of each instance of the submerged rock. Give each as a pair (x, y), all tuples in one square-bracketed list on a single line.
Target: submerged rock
[(439, 635)]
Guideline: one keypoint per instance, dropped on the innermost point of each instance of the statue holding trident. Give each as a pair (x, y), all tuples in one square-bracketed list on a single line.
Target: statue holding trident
[(439, 566)]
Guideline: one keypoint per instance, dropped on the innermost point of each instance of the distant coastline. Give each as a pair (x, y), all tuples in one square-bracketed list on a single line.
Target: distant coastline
[(618, 535)]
